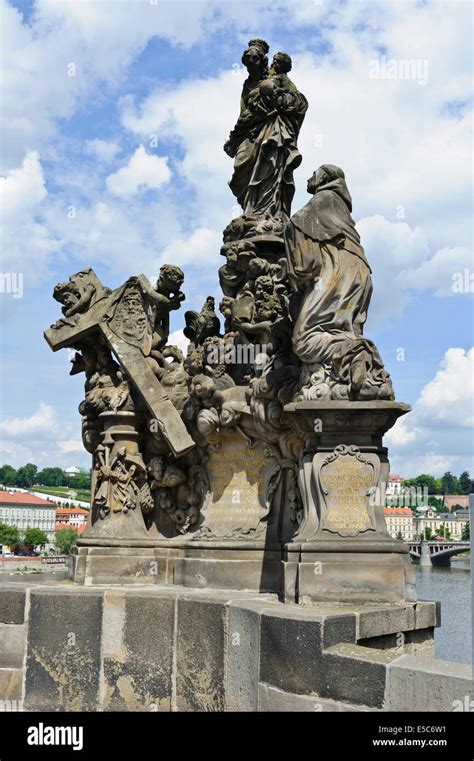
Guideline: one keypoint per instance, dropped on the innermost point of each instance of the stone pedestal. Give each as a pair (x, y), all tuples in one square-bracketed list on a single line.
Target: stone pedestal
[(342, 550), (309, 527)]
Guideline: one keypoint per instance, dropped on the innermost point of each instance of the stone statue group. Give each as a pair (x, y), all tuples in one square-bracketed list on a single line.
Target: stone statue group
[(327, 277), (296, 290)]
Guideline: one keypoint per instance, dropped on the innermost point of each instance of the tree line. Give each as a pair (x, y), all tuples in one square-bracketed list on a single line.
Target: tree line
[(10, 536), (447, 484), (29, 475)]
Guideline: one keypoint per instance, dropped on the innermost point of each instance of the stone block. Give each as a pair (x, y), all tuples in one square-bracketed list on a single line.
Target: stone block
[(114, 565), (427, 614), (420, 683), (243, 654), (63, 660), (339, 628), (386, 620), (272, 700), (355, 577), (11, 680), (12, 645), (12, 604), (356, 674), (137, 643), (291, 651), (200, 655)]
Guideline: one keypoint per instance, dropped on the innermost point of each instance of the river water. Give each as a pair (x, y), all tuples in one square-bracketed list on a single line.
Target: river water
[(450, 586)]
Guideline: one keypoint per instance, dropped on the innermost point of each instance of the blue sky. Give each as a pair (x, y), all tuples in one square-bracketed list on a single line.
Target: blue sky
[(120, 167)]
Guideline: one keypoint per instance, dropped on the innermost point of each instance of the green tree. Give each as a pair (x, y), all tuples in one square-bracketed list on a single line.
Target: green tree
[(79, 481), (26, 476), (449, 483), (445, 532), (65, 539), (51, 477), (399, 535), (436, 502), (8, 475), (34, 537), (465, 482), (422, 481), (427, 534), (9, 535), (466, 532)]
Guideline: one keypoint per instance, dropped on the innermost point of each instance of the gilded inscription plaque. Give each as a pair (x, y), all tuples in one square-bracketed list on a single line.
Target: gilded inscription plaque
[(346, 481), (238, 477)]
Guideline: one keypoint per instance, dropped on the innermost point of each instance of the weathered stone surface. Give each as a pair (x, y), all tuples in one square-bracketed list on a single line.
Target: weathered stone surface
[(115, 565), (243, 654), (10, 687), (427, 614), (162, 648), (200, 653), (291, 652), (385, 621), (353, 577), (271, 699), (417, 683), (339, 628), (63, 657), (12, 604), (356, 674), (12, 645), (137, 647), (229, 568)]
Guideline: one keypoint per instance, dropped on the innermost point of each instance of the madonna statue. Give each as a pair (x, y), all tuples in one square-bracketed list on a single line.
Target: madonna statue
[(264, 140)]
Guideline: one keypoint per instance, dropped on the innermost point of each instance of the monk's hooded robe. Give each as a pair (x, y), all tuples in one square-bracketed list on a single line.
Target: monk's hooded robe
[(325, 256)]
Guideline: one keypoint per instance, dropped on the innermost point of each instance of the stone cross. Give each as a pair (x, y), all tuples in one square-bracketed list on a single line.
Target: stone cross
[(122, 317)]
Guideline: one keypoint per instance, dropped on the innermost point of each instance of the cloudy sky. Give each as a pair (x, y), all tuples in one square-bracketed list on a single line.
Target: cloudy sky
[(114, 116)]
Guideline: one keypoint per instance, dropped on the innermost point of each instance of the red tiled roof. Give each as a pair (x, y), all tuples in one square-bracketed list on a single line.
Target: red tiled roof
[(22, 498), (398, 511), (394, 477), (71, 511), (61, 526)]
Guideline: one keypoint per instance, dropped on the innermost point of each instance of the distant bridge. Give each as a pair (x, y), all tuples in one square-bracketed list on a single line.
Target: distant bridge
[(437, 552)]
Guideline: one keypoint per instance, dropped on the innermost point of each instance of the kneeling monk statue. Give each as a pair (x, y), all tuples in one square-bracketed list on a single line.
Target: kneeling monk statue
[(327, 265)]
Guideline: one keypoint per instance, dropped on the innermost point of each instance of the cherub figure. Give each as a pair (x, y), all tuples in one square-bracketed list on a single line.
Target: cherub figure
[(166, 297)]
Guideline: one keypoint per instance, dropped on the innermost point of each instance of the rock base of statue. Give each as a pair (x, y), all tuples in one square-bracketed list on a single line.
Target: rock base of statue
[(309, 528)]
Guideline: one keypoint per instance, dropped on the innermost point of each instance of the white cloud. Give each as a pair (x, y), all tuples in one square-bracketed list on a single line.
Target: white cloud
[(438, 434), (42, 438), (43, 423), (26, 242), (24, 187), (441, 271), (103, 150), (100, 39), (401, 261), (179, 112), (143, 170), (197, 248), (177, 338), (74, 445)]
